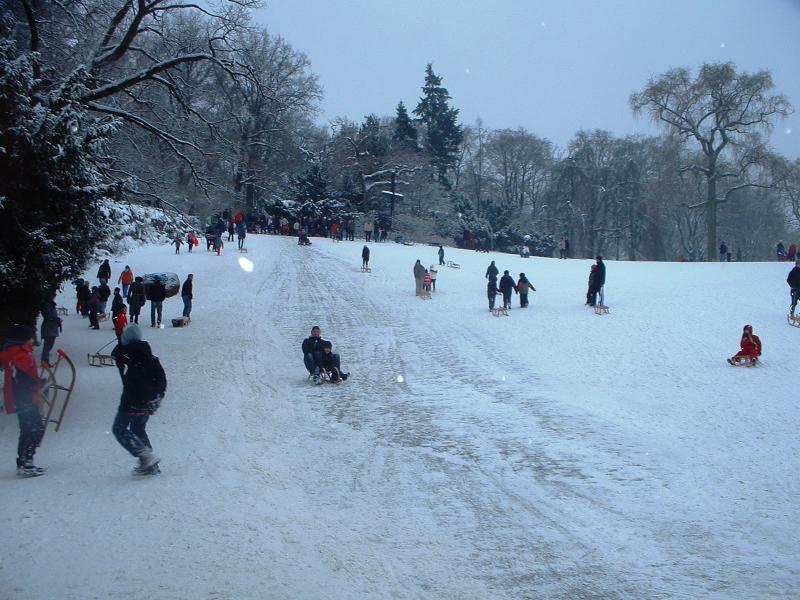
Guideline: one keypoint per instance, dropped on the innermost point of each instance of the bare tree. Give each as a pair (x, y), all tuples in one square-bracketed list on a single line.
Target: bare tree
[(725, 112)]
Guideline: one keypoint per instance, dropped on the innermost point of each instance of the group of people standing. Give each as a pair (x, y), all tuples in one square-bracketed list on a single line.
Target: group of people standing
[(507, 285)]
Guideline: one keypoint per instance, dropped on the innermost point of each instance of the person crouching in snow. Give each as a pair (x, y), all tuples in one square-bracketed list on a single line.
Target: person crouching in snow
[(751, 347), (143, 387), (21, 393)]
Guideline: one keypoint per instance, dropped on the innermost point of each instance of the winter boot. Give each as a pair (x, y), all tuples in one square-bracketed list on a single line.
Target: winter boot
[(148, 464), (26, 468)]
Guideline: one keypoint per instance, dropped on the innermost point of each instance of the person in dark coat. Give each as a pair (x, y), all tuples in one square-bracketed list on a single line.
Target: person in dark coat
[(94, 309), (492, 291), (507, 285), (419, 274), (523, 287), (157, 293), (794, 285), (441, 254), (600, 280), (591, 293), (136, 299), (143, 387), (82, 292), (492, 271), (328, 363), (313, 349), (231, 231), (241, 233), (365, 258), (51, 326), (117, 303), (104, 292), (186, 296), (21, 394), (104, 272)]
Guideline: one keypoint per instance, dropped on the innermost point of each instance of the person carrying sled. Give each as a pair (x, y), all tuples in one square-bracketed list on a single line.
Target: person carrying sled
[(750, 347), (507, 285), (523, 287), (143, 387), (21, 394), (365, 258), (794, 285)]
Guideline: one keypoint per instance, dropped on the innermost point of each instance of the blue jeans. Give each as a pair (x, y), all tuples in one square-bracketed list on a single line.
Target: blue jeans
[(155, 307), (187, 306), (125, 287), (47, 346), (130, 431), (311, 364)]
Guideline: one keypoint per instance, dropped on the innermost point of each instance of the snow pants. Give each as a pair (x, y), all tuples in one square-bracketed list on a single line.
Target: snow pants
[(187, 306), (523, 300), (31, 429), (491, 301), (130, 431)]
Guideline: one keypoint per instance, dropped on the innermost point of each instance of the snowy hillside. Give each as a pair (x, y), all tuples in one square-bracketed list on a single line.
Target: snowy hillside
[(553, 453)]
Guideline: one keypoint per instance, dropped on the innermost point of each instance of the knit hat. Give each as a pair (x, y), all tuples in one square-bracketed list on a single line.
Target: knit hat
[(131, 333)]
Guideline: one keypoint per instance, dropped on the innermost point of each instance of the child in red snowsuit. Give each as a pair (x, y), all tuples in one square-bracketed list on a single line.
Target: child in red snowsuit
[(750, 344), (121, 321)]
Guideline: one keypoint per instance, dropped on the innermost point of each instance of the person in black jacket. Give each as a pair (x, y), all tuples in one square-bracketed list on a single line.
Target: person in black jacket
[(51, 326), (143, 386), (365, 258), (506, 286), (136, 298), (313, 349), (186, 296), (600, 277), (328, 363), (794, 285), (94, 309), (157, 293), (104, 272), (104, 292), (492, 271), (492, 291)]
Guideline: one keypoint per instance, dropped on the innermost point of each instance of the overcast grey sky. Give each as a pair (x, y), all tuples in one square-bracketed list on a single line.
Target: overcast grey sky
[(551, 66)]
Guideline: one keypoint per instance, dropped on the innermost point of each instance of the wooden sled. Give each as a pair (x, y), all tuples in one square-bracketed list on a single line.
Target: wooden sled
[(424, 294), (500, 311), (793, 320), (100, 360), (102, 317), (62, 310), (181, 322), (453, 265), (243, 250), (366, 270), (743, 361), (54, 393), (600, 309)]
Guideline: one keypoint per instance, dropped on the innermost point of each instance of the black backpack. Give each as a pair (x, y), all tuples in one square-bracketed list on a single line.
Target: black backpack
[(145, 381)]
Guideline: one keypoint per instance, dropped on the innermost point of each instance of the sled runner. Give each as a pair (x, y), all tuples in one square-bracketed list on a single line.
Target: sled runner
[(453, 265), (794, 320), (366, 269), (54, 393), (62, 310), (743, 361), (424, 294), (600, 309), (500, 311), (180, 322)]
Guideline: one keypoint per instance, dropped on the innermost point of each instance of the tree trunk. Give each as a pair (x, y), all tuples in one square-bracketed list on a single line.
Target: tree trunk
[(711, 220)]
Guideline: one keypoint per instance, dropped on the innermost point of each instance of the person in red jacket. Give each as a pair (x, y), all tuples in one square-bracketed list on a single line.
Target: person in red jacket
[(121, 321), (751, 347), (21, 393)]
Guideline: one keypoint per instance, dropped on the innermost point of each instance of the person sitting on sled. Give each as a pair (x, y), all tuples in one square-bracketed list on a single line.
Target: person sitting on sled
[(328, 362), (751, 347)]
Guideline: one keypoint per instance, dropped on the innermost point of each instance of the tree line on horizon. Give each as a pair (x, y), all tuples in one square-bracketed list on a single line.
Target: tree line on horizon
[(194, 108)]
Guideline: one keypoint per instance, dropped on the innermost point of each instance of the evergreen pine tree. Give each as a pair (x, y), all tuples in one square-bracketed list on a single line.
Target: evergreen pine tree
[(443, 133), (405, 134)]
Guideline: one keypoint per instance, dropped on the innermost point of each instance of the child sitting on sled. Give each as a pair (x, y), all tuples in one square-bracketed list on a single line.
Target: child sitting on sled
[(751, 347)]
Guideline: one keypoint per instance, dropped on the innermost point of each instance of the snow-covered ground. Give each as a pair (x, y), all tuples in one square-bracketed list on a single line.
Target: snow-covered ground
[(553, 453)]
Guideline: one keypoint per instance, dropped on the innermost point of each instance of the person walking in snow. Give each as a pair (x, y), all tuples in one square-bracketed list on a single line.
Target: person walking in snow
[(507, 285), (186, 296), (104, 272), (157, 294), (591, 293), (116, 305), (51, 327), (136, 299), (21, 394), (125, 278), (83, 294), (104, 292), (120, 321), (144, 384), (419, 273), (94, 309), (365, 258), (241, 233), (231, 231), (750, 345), (492, 271), (523, 287), (492, 291), (218, 245), (793, 280), (178, 241), (441, 254), (426, 281), (434, 273)]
